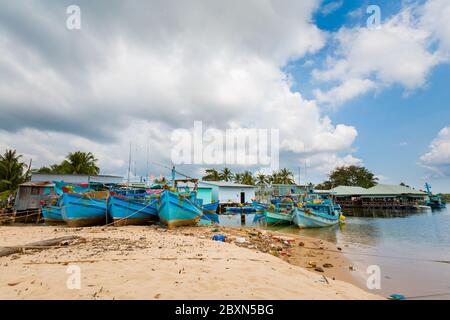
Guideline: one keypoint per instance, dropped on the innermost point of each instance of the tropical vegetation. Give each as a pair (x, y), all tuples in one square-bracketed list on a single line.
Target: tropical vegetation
[(357, 176), (284, 176), (12, 171), (77, 162)]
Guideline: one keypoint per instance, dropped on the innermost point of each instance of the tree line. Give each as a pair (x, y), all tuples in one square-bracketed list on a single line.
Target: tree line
[(283, 176)]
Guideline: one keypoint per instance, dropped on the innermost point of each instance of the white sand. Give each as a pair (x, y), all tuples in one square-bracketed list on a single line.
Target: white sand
[(145, 263)]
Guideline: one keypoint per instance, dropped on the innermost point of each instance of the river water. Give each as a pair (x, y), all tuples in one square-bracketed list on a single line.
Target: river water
[(406, 246)]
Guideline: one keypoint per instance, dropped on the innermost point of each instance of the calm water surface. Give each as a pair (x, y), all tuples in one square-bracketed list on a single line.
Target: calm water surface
[(403, 244)]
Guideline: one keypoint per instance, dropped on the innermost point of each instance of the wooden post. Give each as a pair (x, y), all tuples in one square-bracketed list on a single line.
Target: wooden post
[(242, 219)]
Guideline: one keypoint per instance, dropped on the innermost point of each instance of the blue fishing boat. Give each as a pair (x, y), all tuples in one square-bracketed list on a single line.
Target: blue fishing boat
[(240, 210), (316, 215), (434, 201), (132, 211), (280, 211), (81, 210), (178, 209), (62, 187), (52, 215), (211, 207), (259, 207), (210, 217)]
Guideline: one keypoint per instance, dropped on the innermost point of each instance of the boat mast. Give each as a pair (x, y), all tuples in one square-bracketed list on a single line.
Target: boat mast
[(129, 166)]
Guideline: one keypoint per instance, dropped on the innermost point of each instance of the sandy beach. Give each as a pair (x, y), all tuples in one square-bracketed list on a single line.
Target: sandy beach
[(151, 262)]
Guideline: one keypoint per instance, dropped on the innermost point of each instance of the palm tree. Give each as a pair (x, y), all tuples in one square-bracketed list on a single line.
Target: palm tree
[(80, 163), (286, 176), (274, 178), (12, 170), (211, 175), (261, 179), (226, 175), (247, 178), (238, 178)]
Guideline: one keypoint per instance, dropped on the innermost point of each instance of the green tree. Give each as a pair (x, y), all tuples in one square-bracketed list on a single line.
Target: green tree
[(12, 171), (238, 178), (247, 178), (286, 176), (211, 175), (226, 175), (261, 179), (350, 176), (77, 162), (80, 163), (326, 185)]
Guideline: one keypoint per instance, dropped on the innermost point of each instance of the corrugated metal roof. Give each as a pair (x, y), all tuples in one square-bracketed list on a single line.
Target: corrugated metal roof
[(391, 189), (37, 184), (227, 184), (348, 191)]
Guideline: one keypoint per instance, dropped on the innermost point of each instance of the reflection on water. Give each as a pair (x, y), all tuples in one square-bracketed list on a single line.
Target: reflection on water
[(413, 238)]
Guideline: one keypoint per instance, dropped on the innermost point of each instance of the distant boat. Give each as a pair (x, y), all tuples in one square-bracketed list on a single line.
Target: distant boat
[(178, 209), (434, 201), (52, 215), (211, 207), (129, 211), (240, 210), (81, 210), (316, 215)]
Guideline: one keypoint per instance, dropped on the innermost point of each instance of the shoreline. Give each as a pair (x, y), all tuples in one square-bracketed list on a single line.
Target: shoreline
[(151, 262)]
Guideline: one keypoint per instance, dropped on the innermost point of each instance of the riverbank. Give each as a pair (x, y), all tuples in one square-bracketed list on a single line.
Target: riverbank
[(155, 263)]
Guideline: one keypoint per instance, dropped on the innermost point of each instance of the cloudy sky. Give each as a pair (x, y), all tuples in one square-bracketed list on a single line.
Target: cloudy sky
[(338, 91)]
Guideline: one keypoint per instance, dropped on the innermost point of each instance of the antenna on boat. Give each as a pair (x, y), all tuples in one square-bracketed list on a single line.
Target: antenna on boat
[(175, 171), (147, 173), (306, 171), (129, 166)]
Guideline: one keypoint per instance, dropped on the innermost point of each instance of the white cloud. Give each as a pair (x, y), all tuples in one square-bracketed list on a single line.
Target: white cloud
[(437, 159), (138, 71), (345, 91), (398, 52), (331, 7)]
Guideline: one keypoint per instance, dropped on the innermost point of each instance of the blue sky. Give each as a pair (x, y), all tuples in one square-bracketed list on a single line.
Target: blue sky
[(394, 127)]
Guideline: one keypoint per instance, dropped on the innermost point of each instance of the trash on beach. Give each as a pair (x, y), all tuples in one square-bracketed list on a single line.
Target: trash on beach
[(240, 240), (219, 237)]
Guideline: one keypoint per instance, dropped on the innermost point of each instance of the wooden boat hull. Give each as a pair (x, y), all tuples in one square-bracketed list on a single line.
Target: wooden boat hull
[(303, 219), (52, 215), (275, 217), (175, 210), (83, 211), (131, 212)]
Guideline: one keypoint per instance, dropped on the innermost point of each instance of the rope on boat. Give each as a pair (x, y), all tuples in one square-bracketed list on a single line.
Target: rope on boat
[(137, 211)]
